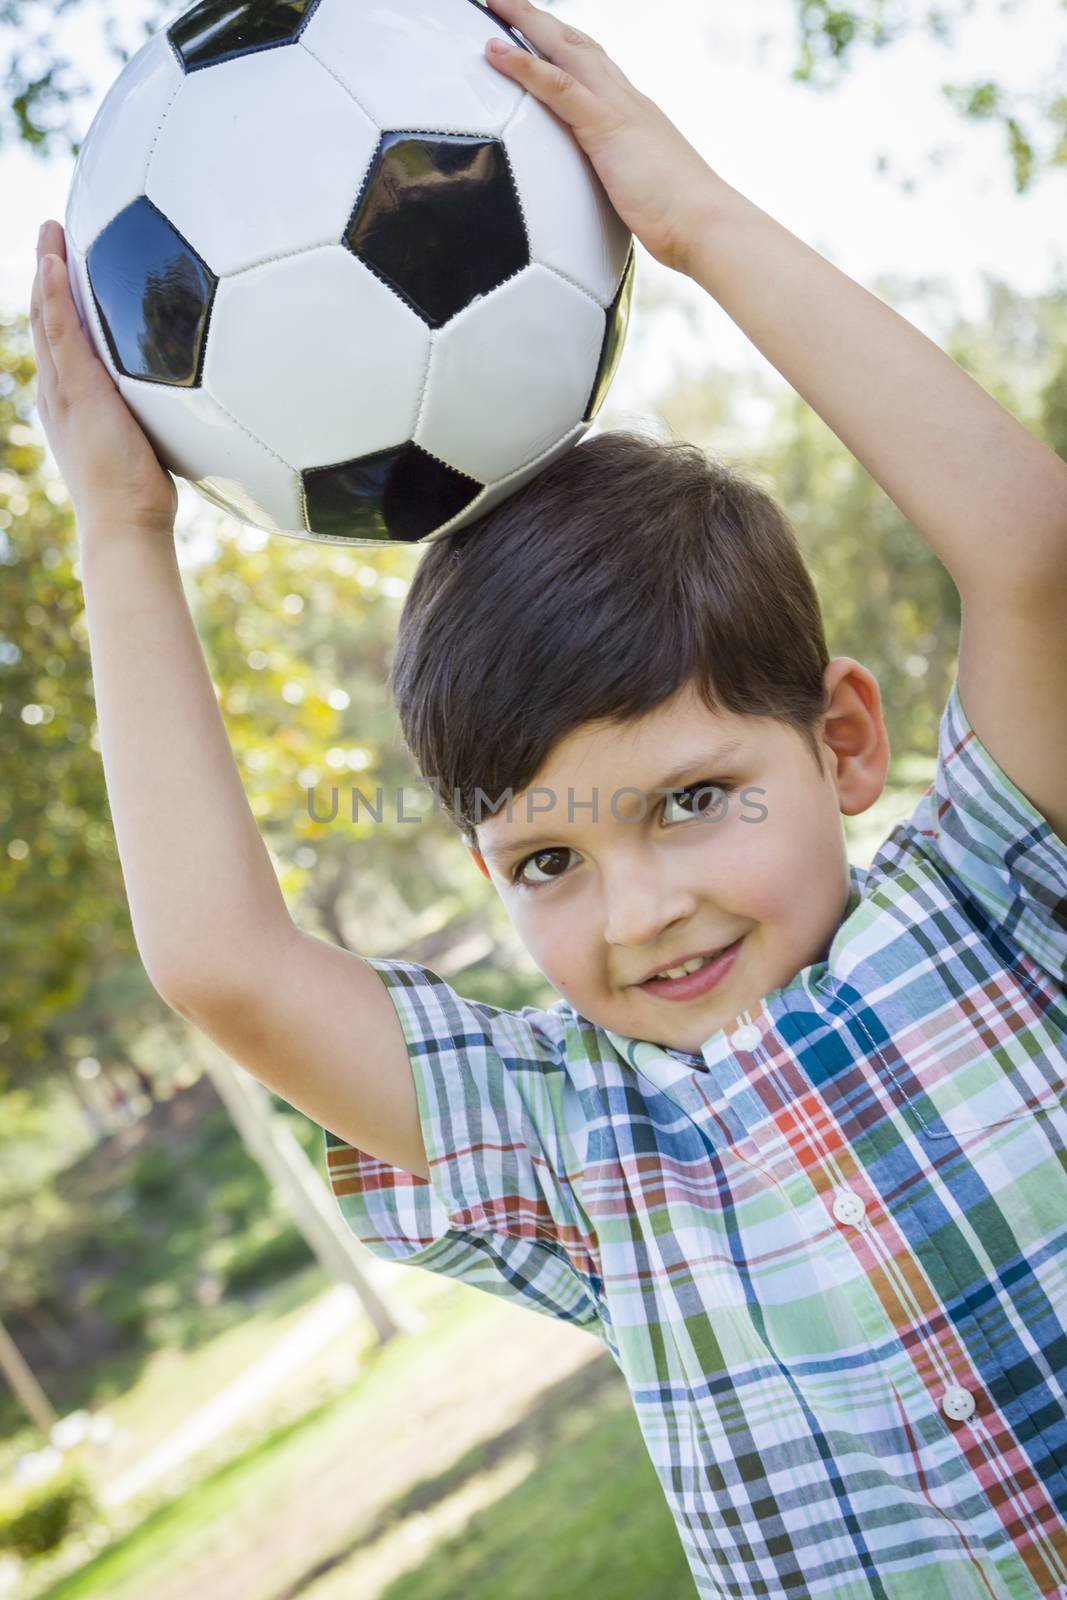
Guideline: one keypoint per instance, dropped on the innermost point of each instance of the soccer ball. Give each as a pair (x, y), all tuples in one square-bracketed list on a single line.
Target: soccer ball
[(354, 284)]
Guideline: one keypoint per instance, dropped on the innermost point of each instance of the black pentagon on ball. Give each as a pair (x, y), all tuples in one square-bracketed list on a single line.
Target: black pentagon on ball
[(439, 219), (400, 496), (154, 295), (614, 339), (220, 30)]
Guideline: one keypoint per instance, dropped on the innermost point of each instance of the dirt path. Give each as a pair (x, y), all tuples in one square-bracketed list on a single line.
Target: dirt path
[(335, 1311), (473, 1385)]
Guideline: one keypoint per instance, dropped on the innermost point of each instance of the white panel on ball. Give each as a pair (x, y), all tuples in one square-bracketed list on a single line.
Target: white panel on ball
[(511, 374), (114, 159), (572, 224), (250, 502), (264, 115), (315, 356), (195, 438), (420, 66)]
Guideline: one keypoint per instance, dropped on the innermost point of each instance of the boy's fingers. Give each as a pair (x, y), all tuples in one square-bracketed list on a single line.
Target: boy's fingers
[(53, 307), (565, 47), (545, 32), (554, 86), (46, 367), (72, 358)]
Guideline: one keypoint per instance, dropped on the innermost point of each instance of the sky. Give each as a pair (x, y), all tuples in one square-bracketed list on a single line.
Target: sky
[(720, 69)]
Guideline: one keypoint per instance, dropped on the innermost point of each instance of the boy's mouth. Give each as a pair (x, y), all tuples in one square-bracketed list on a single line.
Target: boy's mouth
[(710, 969)]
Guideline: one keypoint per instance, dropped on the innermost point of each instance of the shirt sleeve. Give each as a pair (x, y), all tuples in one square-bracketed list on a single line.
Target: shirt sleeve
[(499, 1211), (996, 844)]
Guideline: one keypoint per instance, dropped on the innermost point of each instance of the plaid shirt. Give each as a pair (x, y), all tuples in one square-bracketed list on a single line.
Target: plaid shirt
[(828, 1253)]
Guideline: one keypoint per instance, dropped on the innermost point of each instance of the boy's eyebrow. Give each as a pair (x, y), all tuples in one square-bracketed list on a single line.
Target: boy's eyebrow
[(699, 767)]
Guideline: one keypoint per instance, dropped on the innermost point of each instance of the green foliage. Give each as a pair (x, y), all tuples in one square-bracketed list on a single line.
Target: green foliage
[(45, 96), (35, 1215), (256, 1261), (36, 1521), (1054, 406), (1034, 122), (829, 35), (130, 1253), (46, 103), (60, 882), (152, 1179), (986, 102), (299, 637), (36, 1223)]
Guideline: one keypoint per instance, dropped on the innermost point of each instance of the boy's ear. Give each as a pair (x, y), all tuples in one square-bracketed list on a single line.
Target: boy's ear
[(476, 857), (854, 732)]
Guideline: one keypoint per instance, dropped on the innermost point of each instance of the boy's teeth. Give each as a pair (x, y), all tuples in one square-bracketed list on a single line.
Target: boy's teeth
[(690, 966)]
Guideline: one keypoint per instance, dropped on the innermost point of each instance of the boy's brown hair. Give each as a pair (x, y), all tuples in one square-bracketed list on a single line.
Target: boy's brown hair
[(629, 568)]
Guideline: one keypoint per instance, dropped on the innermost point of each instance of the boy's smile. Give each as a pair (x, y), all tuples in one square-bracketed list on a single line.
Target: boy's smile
[(643, 846)]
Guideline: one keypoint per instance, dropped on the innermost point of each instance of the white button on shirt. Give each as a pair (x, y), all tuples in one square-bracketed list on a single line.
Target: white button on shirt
[(849, 1207), (957, 1403), (746, 1038)]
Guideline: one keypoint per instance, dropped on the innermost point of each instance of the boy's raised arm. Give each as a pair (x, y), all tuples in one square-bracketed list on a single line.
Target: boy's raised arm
[(198, 878), (203, 895), (311, 1021), (989, 498)]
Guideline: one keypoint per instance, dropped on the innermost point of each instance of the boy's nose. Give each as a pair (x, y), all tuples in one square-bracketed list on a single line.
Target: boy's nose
[(641, 906)]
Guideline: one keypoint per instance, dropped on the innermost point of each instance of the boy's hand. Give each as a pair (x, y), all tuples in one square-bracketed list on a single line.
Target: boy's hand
[(653, 176), (111, 470)]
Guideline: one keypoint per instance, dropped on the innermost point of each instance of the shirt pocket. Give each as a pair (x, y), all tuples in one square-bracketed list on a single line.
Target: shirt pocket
[(963, 1061)]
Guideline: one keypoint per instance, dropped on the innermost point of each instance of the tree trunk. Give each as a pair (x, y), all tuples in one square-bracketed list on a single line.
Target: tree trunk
[(24, 1384), (272, 1145)]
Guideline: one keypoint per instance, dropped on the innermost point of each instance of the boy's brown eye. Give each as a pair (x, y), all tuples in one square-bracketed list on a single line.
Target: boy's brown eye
[(706, 799), (519, 876)]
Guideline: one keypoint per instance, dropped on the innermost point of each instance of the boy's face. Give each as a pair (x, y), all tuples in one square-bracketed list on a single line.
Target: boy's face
[(748, 847)]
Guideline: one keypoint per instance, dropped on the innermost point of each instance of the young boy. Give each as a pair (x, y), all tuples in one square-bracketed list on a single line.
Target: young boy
[(813, 1197)]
